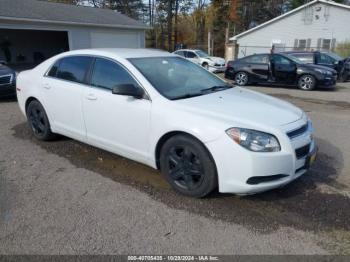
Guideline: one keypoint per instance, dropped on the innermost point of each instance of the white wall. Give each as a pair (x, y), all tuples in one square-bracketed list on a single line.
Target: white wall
[(116, 38), (294, 27)]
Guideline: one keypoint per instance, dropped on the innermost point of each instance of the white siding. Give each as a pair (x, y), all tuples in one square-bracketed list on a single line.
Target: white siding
[(294, 27), (81, 37), (115, 38)]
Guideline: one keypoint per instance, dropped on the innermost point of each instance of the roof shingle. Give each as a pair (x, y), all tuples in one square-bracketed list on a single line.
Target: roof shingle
[(65, 14)]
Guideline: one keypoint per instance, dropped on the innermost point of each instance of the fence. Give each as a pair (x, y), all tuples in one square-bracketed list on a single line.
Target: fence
[(342, 50)]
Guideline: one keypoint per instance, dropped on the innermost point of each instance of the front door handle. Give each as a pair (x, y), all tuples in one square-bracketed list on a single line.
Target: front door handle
[(91, 97), (47, 86)]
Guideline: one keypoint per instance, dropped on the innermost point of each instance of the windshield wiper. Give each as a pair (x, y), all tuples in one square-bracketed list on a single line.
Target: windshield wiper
[(186, 96), (216, 88)]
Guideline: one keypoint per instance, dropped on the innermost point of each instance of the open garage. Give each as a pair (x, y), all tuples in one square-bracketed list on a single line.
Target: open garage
[(32, 31), (28, 47)]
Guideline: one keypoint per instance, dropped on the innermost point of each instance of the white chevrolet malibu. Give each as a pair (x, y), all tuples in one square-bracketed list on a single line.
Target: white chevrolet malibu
[(164, 111)]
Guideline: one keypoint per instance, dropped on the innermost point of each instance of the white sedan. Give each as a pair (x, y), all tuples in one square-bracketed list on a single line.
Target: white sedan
[(211, 63), (171, 114)]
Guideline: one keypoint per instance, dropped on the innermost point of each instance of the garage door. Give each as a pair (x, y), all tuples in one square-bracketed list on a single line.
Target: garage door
[(102, 40)]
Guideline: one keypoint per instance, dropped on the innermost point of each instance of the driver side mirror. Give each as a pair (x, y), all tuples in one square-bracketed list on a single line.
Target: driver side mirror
[(128, 90)]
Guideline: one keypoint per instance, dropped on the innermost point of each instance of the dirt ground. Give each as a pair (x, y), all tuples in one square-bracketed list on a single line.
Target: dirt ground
[(64, 197)]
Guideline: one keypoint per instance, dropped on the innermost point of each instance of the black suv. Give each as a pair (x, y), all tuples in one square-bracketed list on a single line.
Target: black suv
[(328, 59), (7, 81), (280, 69)]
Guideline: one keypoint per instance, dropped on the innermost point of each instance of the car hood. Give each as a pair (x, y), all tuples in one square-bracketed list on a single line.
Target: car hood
[(312, 66), (243, 105), (216, 60)]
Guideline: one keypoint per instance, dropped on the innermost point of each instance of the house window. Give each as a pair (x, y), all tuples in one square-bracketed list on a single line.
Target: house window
[(302, 44), (326, 44)]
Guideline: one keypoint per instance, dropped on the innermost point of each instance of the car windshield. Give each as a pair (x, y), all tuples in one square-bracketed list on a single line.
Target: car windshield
[(177, 78), (201, 53), (335, 56), (294, 59)]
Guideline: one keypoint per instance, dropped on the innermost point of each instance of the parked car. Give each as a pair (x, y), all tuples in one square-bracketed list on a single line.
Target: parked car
[(211, 63), (164, 111), (329, 59), (280, 69), (7, 81)]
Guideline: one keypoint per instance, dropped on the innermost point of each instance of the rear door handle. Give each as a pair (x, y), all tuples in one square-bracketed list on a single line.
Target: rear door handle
[(91, 97)]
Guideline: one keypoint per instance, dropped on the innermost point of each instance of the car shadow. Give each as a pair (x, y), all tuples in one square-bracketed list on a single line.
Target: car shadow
[(301, 204), (8, 99)]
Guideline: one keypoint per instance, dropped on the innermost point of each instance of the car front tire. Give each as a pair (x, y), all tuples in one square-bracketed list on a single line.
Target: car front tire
[(241, 79), (307, 82), (188, 166), (206, 66), (39, 122)]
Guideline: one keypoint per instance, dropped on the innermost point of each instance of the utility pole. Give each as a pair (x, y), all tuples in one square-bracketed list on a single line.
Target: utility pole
[(209, 42)]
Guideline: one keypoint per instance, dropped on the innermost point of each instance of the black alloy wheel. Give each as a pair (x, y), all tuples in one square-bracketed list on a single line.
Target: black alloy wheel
[(38, 121), (188, 166)]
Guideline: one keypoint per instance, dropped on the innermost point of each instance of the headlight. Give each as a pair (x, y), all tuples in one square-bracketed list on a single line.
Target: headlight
[(254, 140), (323, 71)]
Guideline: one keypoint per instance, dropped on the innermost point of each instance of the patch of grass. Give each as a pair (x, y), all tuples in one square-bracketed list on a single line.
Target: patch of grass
[(343, 49)]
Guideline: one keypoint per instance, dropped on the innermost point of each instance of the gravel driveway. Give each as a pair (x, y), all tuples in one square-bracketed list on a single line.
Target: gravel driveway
[(64, 197)]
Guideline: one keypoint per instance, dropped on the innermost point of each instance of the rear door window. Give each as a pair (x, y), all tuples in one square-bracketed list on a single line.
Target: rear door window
[(74, 68), (258, 59), (305, 58), (181, 53), (190, 54), (280, 60)]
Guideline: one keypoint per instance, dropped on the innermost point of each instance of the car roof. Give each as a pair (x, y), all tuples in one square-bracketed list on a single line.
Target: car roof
[(255, 55), (121, 52), (187, 50), (299, 52)]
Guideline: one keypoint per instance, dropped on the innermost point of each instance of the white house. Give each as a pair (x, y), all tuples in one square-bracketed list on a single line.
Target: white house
[(35, 30), (317, 25)]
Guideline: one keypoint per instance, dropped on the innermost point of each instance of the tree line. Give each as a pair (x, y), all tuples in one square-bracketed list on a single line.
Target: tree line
[(175, 23)]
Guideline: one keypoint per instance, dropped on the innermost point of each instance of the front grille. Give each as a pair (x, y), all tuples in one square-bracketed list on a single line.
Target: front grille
[(255, 180), (6, 80), (302, 151), (297, 132)]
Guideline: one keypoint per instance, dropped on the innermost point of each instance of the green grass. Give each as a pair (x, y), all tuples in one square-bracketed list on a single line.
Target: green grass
[(343, 49)]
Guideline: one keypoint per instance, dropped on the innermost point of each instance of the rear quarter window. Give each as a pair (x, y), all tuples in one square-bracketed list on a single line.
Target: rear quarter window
[(53, 70)]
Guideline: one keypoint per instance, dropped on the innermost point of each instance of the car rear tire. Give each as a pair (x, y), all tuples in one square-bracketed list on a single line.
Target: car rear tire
[(307, 82), (206, 66), (241, 78), (39, 122), (188, 166)]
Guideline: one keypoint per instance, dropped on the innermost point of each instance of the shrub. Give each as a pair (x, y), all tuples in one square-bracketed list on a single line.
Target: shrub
[(343, 49)]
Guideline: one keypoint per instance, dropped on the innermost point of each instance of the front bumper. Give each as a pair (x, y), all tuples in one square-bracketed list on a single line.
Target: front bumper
[(217, 69), (236, 165), (327, 82), (7, 90)]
